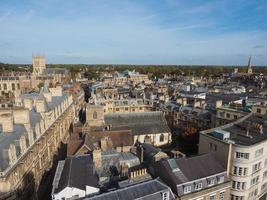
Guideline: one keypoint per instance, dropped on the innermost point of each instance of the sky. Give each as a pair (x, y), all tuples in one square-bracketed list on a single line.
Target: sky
[(206, 32)]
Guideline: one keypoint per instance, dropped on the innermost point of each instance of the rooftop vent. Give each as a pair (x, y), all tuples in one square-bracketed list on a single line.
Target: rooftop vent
[(221, 134)]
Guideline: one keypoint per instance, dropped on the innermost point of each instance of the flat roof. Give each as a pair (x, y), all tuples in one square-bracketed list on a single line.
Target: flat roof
[(247, 131)]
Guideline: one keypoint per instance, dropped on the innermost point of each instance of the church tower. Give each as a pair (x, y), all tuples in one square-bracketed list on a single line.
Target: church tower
[(38, 63), (249, 66)]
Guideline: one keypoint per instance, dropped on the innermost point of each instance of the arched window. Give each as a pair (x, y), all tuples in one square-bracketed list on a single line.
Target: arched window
[(95, 115), (161, 138), (147, 139)]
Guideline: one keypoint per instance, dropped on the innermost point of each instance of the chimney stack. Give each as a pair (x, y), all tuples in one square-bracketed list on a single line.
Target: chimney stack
[(97, 158), (261, 129), (7, 122)]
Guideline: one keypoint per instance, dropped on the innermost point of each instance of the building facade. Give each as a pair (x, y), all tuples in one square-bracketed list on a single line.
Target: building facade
[(30, 135), (241, 148)]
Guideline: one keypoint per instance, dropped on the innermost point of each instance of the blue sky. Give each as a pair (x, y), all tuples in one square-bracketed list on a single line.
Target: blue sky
[(134, 31)]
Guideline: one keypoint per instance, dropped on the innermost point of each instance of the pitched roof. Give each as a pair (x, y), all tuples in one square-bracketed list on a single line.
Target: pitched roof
[(138, 123), (78, 172), (119, 138), (182, 170), (146, 190)]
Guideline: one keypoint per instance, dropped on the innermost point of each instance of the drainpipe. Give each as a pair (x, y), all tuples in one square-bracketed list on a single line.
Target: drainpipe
[(229, 162)]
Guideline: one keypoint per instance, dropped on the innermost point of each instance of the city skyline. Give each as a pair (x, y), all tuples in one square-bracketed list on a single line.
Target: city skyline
[(134, 32)]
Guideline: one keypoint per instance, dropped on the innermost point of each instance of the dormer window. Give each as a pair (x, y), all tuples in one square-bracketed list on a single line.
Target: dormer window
[(165, 196), (221, 179), (187, 189), (211, 181), (198, 186)]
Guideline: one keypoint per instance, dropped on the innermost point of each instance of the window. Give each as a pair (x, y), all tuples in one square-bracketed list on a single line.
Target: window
[(221, 196), (240, 171), (227, 115), (126, 108), (198, 186), (264, 175), (258, 110), (264, 187), (165, 195), (238, 185), (117, 109), (235, 116), (95, 115), (233, 197), (242, 155), (221, 179), (187, 189), (235, 170), (212, 197), (161, 138), (245, 171), (213, 147), (255, 180), (210, 181), (13, 86), (5, 87), (256, 167), (259, 152)]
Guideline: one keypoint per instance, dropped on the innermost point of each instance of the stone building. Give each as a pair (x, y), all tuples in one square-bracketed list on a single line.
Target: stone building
[(240, 146), (30, 135), (38, 65), (150, 127), (23, 82)]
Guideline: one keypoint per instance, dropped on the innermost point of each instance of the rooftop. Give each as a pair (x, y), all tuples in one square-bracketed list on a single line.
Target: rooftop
[(138, 123), (147, 190), (247, 131)]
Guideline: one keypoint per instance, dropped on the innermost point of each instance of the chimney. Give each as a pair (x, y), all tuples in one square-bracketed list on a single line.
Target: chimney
[(28, 103), (7, 122), (40, 105), (218, 104), (97, 158), (261, 129), (21, 116), (104, 143)]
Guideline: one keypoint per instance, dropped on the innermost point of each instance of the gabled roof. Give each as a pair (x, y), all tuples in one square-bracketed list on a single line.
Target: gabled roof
[(138, 123), (152, 189), (184, 170), (78, 172)]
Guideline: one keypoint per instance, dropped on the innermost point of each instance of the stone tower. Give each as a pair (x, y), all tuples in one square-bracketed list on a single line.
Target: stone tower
[(38, 63), (249, 66), (95, 115)]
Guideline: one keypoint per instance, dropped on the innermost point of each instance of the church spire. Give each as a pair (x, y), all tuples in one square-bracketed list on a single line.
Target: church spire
[(249, 66)]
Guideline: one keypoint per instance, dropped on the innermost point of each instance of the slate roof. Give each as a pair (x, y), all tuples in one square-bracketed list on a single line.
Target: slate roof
[(183, 170), (138, 123), (146, 190), (78, 172), (6, 139), (110, 159)]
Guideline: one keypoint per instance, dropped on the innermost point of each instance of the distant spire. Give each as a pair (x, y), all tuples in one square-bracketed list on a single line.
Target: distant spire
[(249, 66)]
